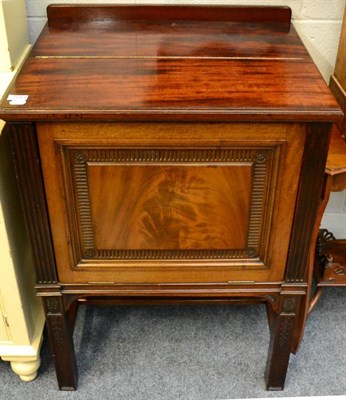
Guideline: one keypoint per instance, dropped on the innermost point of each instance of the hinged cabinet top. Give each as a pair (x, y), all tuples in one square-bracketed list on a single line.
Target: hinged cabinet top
[(169, 63)]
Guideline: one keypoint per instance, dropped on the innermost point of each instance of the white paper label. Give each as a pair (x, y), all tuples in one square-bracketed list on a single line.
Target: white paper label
[(17, 99)]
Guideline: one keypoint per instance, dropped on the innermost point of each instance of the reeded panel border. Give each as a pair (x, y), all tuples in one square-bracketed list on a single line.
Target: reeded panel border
[(261, 160)]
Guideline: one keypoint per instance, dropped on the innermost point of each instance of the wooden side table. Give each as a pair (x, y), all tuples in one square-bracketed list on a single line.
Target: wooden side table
[(173, 155), (330, 260)]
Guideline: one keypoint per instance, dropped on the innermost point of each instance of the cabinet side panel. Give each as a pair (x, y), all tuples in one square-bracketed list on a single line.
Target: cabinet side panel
[(32, 197)]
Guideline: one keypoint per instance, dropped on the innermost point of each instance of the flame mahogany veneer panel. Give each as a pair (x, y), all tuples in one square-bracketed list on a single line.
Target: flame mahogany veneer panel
[(169, 206)]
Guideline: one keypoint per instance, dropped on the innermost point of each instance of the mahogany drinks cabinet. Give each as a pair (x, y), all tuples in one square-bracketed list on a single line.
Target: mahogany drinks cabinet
[(170, 154)]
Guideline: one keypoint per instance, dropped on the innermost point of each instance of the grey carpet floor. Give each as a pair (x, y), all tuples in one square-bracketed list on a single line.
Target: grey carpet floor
[(190, 353)]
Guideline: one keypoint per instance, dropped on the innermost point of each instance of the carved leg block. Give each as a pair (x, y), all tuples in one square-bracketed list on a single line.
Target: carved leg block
[(282, 331), (60, 337)]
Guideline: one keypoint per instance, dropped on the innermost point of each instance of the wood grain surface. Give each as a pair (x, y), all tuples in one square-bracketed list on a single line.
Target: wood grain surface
[(120, 88), (151, 68), (170, 207), (61, 13), (139, 39)]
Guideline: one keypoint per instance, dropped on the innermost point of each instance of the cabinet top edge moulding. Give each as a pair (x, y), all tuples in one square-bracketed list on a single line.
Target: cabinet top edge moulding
[(155, 61)]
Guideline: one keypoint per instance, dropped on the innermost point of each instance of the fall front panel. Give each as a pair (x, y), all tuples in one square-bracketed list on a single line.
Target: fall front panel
[(163, 210)]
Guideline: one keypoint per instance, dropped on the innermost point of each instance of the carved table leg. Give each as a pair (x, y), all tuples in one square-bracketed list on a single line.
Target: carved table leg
[(26, 159), (312, 192), (60, 336), (281, 336)]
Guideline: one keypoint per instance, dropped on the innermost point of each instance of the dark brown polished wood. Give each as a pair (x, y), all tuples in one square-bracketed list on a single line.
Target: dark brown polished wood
[(175, 163), (175, 57)]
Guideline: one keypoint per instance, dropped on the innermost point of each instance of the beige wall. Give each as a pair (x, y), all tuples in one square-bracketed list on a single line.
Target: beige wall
[(13, 33)]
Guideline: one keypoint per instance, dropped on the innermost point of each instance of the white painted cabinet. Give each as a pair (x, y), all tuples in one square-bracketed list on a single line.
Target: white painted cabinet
[(22, 318), (21, 312)]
